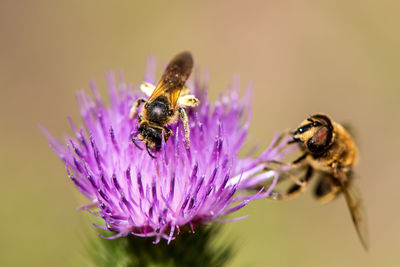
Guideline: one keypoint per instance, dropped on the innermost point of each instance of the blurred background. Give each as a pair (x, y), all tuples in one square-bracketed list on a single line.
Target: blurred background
[(339, 57)]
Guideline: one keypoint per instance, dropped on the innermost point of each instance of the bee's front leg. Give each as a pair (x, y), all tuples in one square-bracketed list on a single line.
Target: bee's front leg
[(185, 120), (135, 107), (299, 159), (295, 189)]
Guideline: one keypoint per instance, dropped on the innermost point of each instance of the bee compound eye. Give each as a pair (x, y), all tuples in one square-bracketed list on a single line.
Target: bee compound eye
[(319, 142)]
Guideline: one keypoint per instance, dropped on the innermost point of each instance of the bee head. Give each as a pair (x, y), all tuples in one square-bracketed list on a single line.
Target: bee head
[(151, 135), (315, 133)]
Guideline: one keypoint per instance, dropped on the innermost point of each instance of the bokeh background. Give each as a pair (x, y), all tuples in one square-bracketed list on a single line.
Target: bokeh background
[(340, 57)]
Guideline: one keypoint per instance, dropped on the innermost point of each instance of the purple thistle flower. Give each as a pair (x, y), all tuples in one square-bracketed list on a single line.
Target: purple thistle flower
[(136, 194)]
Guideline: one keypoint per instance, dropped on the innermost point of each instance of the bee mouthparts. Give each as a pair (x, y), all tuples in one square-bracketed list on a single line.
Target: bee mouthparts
[(294, 140)]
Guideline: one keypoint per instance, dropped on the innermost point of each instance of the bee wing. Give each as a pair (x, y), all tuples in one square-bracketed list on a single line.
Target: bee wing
[(174, 78), (357, 211)]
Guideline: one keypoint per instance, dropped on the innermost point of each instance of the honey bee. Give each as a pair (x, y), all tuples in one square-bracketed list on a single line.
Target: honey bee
[(329, 151), (166, 102)]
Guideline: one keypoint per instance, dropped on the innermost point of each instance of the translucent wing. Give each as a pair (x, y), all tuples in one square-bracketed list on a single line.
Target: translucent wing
[(174, 78), (356, 209)]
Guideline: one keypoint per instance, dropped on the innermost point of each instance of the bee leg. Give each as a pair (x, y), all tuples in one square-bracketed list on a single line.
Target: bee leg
[(188, 101), (295, 189), (185, 120), (168, 133), (148, 151), (326, 189), (134, 142), (135, 107), (300, 159), (293, 163), (291, 176)]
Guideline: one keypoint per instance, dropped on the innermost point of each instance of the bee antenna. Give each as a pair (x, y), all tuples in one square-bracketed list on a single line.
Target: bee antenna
[(134, 142), (148, 151)]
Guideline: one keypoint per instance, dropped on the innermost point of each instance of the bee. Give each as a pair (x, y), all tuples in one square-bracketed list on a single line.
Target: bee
[(329, 151), (166, 102)]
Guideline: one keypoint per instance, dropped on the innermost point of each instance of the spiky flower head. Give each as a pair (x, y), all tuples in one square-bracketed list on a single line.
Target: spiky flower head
[(183, 187)]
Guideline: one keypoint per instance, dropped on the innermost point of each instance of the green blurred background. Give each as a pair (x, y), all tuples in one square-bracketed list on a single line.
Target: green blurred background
[(339, 57)]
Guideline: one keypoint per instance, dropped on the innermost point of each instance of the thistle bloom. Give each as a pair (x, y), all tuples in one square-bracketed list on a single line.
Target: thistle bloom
[(136, 194)]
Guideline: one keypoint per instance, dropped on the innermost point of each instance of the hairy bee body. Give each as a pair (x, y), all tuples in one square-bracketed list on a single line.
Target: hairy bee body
[(152, 121), (165, 104), (330, 154), (158, 112)]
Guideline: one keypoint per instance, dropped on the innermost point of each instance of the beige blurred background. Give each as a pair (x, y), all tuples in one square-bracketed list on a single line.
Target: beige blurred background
[(339, 57)]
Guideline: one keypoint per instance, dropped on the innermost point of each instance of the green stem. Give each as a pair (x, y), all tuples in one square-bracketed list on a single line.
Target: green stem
[(188, 249)]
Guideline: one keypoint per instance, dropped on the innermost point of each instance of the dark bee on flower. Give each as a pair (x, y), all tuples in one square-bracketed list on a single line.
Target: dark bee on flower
[(329, 151), (167, 101)]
